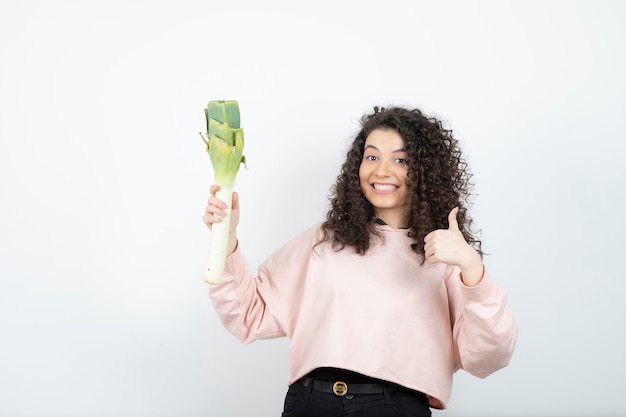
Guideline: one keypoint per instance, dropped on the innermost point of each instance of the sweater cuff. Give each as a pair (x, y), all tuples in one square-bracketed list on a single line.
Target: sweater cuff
[(482, 292), (235, 262)]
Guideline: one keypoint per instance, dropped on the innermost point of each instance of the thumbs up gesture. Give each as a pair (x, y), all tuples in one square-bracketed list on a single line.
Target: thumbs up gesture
[(449, 246)]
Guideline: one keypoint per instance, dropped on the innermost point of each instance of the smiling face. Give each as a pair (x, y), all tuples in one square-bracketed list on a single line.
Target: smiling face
[(383, 175)]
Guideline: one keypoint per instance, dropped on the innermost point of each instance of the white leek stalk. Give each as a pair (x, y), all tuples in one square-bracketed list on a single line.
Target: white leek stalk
[(225, 148)]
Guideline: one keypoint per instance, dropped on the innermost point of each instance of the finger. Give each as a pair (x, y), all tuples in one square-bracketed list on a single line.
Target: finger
[(215, 208), (216, 203), (209, 219), (431, 257), (453, 224), (429, 248), (235, 205), (434, 235), (214, 189)]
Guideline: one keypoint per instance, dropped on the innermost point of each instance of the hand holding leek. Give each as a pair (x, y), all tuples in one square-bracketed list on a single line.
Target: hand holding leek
[(215, 212), (225, 147)]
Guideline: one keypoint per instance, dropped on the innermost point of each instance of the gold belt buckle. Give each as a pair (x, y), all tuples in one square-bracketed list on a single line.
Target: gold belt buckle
[(340, 388)]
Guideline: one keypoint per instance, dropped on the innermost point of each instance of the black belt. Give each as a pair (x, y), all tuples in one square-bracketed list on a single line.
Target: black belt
[(340, 388)]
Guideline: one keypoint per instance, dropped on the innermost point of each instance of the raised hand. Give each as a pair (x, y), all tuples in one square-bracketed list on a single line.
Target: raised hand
[(215, 212), (450, 247)]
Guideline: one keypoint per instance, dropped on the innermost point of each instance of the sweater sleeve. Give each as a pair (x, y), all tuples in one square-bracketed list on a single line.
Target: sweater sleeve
[(484, 330), (264, 306)]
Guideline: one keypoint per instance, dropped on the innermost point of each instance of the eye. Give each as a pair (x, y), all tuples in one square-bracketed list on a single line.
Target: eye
[(371, 157), (401, 160)]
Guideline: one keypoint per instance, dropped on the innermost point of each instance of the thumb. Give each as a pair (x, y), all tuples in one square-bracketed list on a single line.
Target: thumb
[(235, 202), (453, 224)]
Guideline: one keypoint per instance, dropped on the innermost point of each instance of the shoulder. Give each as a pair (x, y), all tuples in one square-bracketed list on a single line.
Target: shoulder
[(298, 249), (311, 234), (302, 243)]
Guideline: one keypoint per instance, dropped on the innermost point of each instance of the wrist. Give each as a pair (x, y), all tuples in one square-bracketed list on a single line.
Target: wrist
[(472, 271), (232, 244)]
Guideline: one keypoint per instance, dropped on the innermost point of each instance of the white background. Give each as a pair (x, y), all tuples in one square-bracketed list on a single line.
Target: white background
[(103, 180)]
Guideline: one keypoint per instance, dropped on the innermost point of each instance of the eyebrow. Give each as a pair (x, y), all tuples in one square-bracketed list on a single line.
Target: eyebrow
[(374, 147)]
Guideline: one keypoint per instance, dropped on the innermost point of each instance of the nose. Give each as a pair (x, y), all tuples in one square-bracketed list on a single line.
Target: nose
[(383, 169)]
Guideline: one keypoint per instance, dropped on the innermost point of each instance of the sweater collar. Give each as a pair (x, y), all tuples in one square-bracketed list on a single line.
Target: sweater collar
[(382, 223)]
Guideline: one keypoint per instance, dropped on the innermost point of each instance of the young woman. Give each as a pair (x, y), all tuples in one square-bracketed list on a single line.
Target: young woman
[(389, 296)]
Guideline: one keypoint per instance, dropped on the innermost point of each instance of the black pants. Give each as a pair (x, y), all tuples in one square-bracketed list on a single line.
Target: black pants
[(303, 401)]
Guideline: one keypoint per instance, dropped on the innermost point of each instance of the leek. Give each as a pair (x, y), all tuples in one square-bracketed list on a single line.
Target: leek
[(225, 148)]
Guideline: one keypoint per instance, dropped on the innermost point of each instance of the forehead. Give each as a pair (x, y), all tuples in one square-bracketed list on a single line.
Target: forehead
[(385, 139)]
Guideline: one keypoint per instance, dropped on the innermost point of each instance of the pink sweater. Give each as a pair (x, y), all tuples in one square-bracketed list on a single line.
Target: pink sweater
[(383, 314)]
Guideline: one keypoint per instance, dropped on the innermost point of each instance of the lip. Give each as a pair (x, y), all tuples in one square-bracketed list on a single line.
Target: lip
[(384, 188)]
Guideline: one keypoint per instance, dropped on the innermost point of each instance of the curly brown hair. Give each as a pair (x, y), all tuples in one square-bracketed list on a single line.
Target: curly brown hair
[(438, 180)]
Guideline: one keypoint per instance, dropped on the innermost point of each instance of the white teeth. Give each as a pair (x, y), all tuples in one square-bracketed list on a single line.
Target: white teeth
[(385, 187)]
